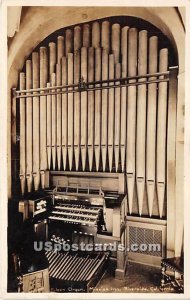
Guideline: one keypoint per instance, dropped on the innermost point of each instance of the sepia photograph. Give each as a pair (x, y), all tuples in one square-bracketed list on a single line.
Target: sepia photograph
[(94, 129)]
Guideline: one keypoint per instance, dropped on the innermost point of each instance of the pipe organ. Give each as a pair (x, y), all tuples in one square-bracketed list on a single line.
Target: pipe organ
[(93, 105), (74, 117)]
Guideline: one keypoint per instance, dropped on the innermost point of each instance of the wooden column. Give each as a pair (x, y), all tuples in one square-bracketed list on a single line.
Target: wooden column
[(180, 178), (121, 254), (171, 163)]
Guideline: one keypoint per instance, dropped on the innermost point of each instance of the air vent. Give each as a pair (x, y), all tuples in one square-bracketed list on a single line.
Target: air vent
[(150, 238), (146, 240)]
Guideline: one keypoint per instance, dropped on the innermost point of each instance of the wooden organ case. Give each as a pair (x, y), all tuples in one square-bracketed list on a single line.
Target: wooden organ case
[(96, 106)]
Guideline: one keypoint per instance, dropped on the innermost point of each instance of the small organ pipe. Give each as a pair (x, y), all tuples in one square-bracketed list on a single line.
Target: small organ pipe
[(84, 107), (91, 111), (69, 41), (124, 50), (43, 112), (141, 119), (29, 178), (36, 122), (77, 110), (77, 38), (111, 113), (131, 116), (54, 127), (151, 124), (161, 132), (70, 111), (60, 48), (49, 130), (22, 135), (86, 35), (58, 117), (117, 116), (95, 35), (97, 137), (52, 58), (64, 113), (115, 42), (104, 129), (105, 36)]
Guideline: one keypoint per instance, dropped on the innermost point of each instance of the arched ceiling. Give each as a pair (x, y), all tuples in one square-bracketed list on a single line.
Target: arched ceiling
[(39, 22)]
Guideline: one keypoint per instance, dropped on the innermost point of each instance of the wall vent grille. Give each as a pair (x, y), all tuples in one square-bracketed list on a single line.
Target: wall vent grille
[(143, 236)]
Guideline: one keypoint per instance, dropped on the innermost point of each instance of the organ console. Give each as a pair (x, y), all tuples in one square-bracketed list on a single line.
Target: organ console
[(95, 144), (84, 214)]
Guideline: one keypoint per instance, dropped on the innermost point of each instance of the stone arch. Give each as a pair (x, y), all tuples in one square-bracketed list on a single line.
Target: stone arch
[(39, 22)]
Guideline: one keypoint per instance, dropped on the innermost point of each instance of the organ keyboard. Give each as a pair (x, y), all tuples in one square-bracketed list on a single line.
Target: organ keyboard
[(71, 208)]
